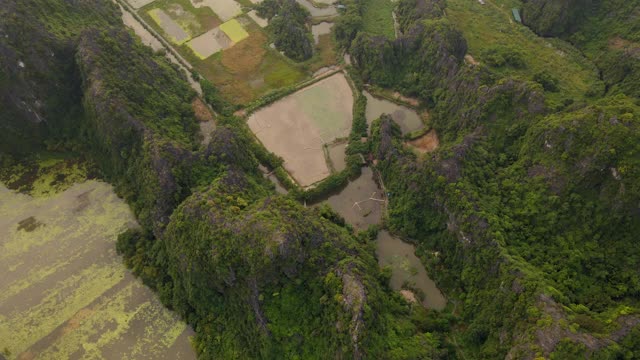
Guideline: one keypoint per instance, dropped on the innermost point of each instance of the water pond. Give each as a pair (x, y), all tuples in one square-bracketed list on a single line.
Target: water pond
[(361, 204), (407, 118), (318, 12), (407, 268)]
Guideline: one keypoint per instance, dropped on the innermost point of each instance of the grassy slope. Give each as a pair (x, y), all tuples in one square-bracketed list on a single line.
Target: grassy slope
[(377, 18), (484, 26)]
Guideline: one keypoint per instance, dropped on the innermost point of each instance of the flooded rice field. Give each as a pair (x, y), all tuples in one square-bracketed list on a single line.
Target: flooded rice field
[(64, 292), (225, 9), (337, 156), (173, 30), (318, 12), (297, 126), (209, 43), (407, 269), (361, 202), (408, 119), (323, 28)]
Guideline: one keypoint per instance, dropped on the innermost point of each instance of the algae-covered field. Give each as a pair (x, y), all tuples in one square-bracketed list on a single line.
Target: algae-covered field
[(64, 292)]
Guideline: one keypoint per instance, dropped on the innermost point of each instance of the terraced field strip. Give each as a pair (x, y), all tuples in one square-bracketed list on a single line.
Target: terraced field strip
[(173, 30)]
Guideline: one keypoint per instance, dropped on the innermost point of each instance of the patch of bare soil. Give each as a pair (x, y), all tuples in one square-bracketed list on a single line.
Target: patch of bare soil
[(618, 43), (470, 60), (426, 143), (409, 296), (202, 112), (411, 101)]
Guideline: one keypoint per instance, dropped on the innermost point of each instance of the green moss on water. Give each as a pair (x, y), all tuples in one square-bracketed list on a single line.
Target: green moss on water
[(94, 309), (44, 174)]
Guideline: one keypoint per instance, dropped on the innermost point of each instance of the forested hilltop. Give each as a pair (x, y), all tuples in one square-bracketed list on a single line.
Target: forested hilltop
[(532, 199), (256, 274), (526, 215)]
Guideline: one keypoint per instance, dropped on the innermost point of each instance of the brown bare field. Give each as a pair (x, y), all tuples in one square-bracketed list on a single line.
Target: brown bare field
[(201, 110), (297, 126), (426, 143), (246, 56)]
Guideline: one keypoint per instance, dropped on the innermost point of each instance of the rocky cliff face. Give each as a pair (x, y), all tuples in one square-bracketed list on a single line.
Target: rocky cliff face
[(556, 17), (39, 83), (233, 241)]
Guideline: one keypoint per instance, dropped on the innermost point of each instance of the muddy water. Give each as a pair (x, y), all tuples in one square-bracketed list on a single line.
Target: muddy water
[(360, 202), (64, 292), (321, 29), (317, 12), (360, 205), (406, 118), (407, 267), (338, 156)]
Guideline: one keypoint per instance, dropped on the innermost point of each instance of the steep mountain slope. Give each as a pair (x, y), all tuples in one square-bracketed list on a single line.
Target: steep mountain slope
[(257, 275), (524, 201)]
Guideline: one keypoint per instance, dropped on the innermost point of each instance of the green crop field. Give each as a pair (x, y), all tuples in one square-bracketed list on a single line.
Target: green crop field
[(247, 70), (378, 17), (234, 30), (512, 49)]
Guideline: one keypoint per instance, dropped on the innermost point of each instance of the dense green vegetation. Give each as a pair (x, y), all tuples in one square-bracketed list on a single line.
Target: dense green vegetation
[(281, 281), (526, 215), (377, 18), (525, 188), (288, 24)]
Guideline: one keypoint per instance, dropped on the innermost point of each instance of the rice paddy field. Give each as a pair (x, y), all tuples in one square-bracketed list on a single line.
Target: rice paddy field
[(298, 126), (484, 26), (225, 42), (64, 292), (407, 118), (183, 14)]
